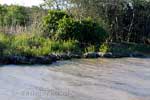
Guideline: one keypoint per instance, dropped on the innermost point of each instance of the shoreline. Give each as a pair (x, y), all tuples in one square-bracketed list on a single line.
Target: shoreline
[(49, 59)]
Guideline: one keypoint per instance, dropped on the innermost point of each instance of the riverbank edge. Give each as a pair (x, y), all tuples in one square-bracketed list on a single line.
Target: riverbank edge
[(49, 59)]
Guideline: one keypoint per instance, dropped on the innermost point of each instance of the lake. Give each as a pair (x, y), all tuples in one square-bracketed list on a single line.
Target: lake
[(82, 79)]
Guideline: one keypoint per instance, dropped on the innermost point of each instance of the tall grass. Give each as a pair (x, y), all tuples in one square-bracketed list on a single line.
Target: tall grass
[(91, 48), (33, 45)]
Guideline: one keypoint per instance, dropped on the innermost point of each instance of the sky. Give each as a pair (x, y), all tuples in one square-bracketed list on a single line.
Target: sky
[(22, 2)]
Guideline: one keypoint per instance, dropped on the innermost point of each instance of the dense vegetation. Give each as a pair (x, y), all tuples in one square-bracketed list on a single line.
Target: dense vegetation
[(31, 45), (125, 20), (63, 26)]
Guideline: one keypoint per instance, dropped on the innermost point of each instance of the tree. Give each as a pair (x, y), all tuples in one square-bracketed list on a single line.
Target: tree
[(50, 22), (16, 15), (55, 4), (3, 11)]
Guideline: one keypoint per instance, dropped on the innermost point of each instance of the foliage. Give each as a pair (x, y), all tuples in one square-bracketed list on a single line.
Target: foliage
[(4, 43), (124, 20), (129, 47), (85, 31), (15, 15), (54, 4), (128, 20), (70, 46), (2, 14), (50, 22), (33, 45), (92, 32), (68, 28), (18, 19), (91, 48), (104, 48)]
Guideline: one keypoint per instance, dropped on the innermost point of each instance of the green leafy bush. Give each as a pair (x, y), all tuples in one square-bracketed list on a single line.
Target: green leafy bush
[(68, 28), (4, 43), (85, 31), (50, 22), (91, 32), (104, 48)]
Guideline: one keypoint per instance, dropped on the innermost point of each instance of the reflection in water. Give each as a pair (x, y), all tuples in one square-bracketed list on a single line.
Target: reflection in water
[(86, 79)]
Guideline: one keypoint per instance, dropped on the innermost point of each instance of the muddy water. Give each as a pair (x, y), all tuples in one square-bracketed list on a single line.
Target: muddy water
[(97, 79)]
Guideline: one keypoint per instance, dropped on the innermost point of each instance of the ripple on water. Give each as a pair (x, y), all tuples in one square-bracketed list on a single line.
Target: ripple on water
[(85, 79)]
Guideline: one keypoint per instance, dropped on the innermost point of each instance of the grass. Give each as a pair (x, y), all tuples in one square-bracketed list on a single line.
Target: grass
[(32, 45), (90, 49), (104, 48), (26, 44)]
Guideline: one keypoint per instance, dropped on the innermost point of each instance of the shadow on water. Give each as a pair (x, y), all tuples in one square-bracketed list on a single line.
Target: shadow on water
[(57, 63), (76, 62)]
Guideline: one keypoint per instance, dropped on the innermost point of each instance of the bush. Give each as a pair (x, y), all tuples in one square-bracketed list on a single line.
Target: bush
[(4, 43), (91, 32), (85, 31), (104, 48), (68, 28), (4, 38), (50, 22)]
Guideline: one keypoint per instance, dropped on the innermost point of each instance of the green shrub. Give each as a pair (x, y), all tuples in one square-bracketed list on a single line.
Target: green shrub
[(91, 32), (4, 38), (104, 48), (50, 22), (68, 28), (85, 31), (4, 43)]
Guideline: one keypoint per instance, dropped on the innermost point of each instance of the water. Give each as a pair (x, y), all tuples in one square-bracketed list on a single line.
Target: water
[(95, 79)]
